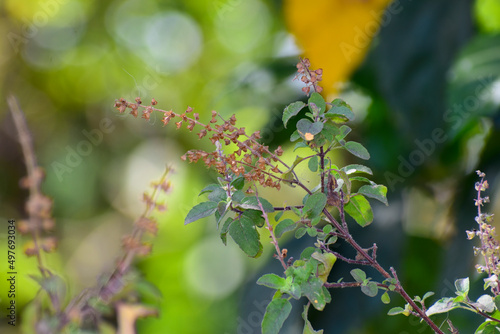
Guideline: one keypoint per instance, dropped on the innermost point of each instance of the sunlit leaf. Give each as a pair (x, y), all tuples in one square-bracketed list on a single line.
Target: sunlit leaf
[(292, 110), (359, 208), (377, 192)]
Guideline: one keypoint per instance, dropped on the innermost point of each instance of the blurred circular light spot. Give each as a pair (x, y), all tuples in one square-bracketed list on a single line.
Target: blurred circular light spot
[(212, 269), (174, 40), (241, 25)]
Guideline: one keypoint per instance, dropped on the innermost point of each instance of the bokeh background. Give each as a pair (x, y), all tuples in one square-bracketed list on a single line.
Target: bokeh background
[(422, 76)]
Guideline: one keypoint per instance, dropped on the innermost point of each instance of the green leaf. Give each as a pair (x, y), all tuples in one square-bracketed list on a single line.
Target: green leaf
[(427, 295), (225, 229), (313, 163), (199, 211), (307, 252), (340, 112), (319, 101), (330, 131), (292, 110), (299, 233), (244, 234), (327, 229), (255, 216), (238, 196), (369, 288), (358, 275), (385, 298), (462, 286), (314, 205), (396, 310), (360, 179), (307, 129), (351, 169), (359, 208), (327, 261), (313, 290), (272, 281), (357, 149), (294, 136), (377, 192), (344, 131), (209, 188), (252, 203), (485, 303), (443, 305), (308, 329), (283, 226), (217, 195), (277, 312), (238, 182)]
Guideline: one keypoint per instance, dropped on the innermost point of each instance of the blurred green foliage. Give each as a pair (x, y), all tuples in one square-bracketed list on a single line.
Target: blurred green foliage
[(67, 61)]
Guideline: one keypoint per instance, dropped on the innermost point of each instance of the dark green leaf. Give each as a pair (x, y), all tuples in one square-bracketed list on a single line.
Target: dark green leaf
[(244, 234), (307, 252), (292, 110), (255, 216), (238, 182), (340, 112), (359, 208), (225, 229), (357, 149), (209, 188), (330, 131), (252, 203), (238, 196), (313, 163), (284, 226), (272, 281), (278, 215), (377, 192), (314, 205), (217, 195), (199, 211)]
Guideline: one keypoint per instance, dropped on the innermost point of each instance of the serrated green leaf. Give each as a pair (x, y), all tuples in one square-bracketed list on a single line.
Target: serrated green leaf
[(291, 110), (355, 168), (314, 205), (369, 288), (244, 234), (385, 298), (377, 192), (359, 208), (358, 275), (319, 101), (357, 150), (199, 211), (252, 203), (272, 281), (283, 226), (277, 312), (313, 163)]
